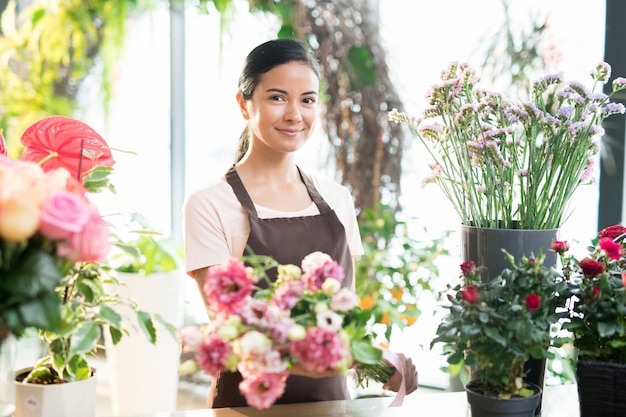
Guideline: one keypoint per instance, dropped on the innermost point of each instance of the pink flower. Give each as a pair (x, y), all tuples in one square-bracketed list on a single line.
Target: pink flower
[(3, 145), (470, 294), (596, 292), (612, 249), (213, 353), (320, 350), (90, 244), (63, 214), (257, 313), (623, 278), (263, 362), (261, 391), (318, 266), (227, 286), (533, 301), (344, 300), (287, 295)]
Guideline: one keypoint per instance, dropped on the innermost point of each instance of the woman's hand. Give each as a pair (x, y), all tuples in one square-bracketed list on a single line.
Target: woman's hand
[(410, 376)]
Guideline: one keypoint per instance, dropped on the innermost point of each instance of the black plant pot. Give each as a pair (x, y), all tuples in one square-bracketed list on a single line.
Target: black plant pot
[(601, 388), (489, 406)]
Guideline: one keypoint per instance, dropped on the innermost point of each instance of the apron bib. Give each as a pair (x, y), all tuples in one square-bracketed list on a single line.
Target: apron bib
[(288, 240)]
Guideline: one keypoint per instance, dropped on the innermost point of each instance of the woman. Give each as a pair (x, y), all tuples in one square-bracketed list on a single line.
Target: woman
[(266, 203)]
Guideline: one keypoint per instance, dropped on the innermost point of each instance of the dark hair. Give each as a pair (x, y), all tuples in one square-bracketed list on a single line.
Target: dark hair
[(261, 60)]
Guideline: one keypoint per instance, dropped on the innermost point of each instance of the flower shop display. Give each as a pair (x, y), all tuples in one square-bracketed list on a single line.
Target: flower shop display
[(494, 327), (506, 163), (304, 323), (597, 322), (52, 251)]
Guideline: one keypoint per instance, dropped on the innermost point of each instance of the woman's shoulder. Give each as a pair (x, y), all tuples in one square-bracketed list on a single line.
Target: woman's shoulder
[(327, 185), (215, 192)]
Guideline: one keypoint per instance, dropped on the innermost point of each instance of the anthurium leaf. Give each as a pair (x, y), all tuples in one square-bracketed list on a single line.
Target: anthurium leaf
[(84, 338), (145, 322)]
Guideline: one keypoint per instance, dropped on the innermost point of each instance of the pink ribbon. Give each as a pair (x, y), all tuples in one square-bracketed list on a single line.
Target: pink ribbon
[(394, 360)]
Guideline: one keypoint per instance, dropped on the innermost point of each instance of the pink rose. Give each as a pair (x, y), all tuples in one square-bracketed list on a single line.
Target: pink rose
[(90, 244), (63, 214), (612, 249)]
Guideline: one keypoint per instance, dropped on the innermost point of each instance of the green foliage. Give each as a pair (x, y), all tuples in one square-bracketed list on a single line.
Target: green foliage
[(88, 308), (494, 327), (48, 50), (395, 269)]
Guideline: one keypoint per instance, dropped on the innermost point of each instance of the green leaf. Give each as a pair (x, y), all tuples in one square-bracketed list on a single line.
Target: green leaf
[(110, 316), (43, 313), (360, 68), (84, 338), (147, 325), (364, 352)]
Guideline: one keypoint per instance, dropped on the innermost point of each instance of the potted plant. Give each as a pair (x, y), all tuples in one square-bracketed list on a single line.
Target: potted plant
[(495, 326), (597, 321), (511, 165), (53, 242)]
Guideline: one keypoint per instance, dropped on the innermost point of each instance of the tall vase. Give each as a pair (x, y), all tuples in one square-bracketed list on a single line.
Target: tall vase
[(484, 247), (8, 350)]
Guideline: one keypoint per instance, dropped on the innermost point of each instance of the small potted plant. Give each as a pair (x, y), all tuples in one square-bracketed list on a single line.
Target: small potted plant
[(597, 321), (494, 327)]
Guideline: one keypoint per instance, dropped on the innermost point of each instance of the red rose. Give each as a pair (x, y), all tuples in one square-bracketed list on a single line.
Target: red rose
[(60, 141), (612, 231), (612, 249), (470, 294), (590, 267), (533, 301), (596, 292), (560, 246), (468, 267)]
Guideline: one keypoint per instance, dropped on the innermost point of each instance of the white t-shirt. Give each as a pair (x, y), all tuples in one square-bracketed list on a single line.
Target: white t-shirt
[(215, 225)]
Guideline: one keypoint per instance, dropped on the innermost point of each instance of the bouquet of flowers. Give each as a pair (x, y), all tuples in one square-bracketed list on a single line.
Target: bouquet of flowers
[(506, 163), (304, 322), (47, 224)]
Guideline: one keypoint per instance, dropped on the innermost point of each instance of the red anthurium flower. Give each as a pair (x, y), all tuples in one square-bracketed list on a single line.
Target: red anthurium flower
[(3, 145), (470, 294), (533, 301), (61, 141), (560, 246), (612, 231), (468, 267), (591, 267), (612, 249)]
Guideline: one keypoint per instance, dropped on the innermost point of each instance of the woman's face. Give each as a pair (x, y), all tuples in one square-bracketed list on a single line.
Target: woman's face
[(283, 109)]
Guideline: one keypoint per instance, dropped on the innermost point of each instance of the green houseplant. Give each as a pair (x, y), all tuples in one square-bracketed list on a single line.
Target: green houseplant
[(495, 326), (597, 322)]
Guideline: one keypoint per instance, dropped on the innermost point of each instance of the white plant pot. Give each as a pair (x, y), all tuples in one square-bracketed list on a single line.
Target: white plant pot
[(70, 399), (143, 376)]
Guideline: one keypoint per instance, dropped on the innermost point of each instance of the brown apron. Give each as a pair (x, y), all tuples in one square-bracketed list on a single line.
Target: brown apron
[(288, 240)]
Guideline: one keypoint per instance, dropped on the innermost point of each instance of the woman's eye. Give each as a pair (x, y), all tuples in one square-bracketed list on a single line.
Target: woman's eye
[(309, 100), (276, 98)]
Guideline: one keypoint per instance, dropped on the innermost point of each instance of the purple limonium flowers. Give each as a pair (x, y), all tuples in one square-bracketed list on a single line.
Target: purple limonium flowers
[(531, 155)]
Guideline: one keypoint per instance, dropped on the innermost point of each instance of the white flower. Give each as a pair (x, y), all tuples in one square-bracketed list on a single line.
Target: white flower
[(252, 342), (315, 260), (330, 286), (329, 320), (297, 332)]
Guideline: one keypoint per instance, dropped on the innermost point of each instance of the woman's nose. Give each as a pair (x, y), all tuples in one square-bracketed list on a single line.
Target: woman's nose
[(293, 113)]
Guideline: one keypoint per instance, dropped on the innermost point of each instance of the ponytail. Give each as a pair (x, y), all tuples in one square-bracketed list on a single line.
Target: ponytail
[(244, 144)]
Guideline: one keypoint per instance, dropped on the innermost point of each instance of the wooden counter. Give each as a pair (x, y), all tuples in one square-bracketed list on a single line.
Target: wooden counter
[(559, 401)]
